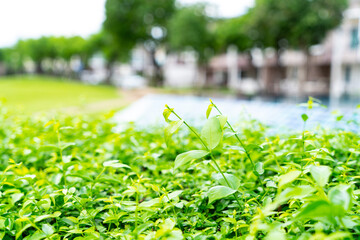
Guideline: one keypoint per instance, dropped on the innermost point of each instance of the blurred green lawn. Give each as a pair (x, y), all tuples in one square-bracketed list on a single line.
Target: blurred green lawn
[(33, 94)]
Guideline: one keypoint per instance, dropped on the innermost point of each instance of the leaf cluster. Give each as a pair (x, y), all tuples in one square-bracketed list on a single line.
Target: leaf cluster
[(76, 178)]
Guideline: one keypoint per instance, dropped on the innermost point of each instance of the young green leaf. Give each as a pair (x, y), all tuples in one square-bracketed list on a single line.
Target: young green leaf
[(171, 129), (186, 157), (288, 177), (219, 192), (212, 132), (115, 164), (320, 174), (47, 229), (166, 113), (259, 168), (304, 117), (233, 181), (222, 120), (317, 210), (341, 195), (208, 111), (250, 147), (297, 192)]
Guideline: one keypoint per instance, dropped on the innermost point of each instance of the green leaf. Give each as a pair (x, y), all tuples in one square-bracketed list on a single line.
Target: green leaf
[(234, 182), (186, 157), (235, 147), (317, 210), (252, 146), (167, 113), (172, 195), (259, 168), (66, 145), (320, 174), (341, 195), (143, 227), (276, 234), (288, 177), (19, 232), (297, 192), (222, 120), (219, 192), (42, 217), (304, 117), (115, 164), (208, 111), (171, 129), (38, 235), (212, 132), (16, 197), (47, 229)]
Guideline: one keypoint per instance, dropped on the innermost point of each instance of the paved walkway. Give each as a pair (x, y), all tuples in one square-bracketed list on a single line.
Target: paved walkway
[(148, 111)]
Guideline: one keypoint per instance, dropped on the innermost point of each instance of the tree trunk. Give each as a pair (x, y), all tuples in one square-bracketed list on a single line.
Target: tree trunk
[(110, 72), (39, 69), (201, 78), (157, 78)]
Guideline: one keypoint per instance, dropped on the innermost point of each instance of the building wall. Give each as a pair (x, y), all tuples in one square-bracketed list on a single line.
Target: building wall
[(180, 70), (345, 66)]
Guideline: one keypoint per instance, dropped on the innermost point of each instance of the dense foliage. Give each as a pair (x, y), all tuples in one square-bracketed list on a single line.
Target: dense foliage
[(77, 178)]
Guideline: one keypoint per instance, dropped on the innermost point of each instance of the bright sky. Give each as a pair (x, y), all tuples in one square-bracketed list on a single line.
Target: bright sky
[(21, 19)]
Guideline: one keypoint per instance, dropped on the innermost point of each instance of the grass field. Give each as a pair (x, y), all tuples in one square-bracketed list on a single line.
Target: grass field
[(33, 94)]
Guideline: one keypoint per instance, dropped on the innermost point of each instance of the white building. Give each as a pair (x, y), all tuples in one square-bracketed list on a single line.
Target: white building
[(345, 65)]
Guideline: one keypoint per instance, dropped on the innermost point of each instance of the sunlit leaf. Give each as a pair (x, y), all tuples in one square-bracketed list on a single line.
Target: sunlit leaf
[(212, 132), (171, 129), (233, 181), (219, 192), (115, 164), (288, 177), (208, 111), (185, 158), (320, 174)]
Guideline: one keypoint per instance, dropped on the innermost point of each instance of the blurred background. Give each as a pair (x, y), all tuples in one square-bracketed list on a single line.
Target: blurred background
[(53, 51)]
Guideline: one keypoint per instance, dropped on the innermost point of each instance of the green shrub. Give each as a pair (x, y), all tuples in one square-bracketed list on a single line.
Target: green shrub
[(75, 178)]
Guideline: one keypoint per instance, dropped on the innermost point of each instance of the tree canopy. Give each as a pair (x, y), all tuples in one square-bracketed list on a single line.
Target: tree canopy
[(233, 31), (189, 28), (296, 23), (138, 21)]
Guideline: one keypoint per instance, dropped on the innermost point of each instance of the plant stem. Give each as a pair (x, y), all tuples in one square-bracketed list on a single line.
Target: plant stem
[(223, 175), (94, 182), (241, 143), (275, 157), (303, 141), (207, 149), (136, 210), (191, 129), (347, 160), (60, 151)]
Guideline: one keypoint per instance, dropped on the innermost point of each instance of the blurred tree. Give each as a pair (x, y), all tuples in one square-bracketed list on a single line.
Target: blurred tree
[(189, 30), (69, 47), (35, 49), (233, 31), (12, 60), (2, 54), (140, 21), (295, 24), (104, 43)]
